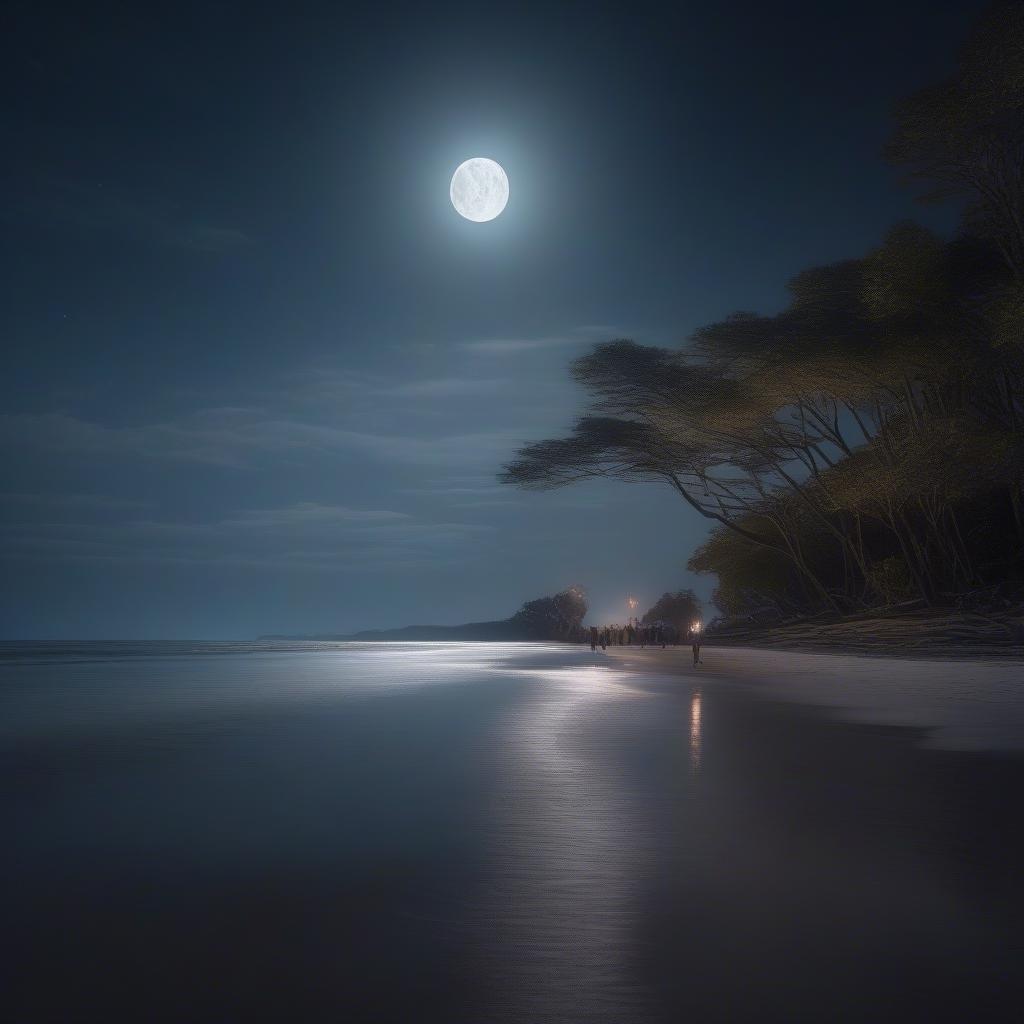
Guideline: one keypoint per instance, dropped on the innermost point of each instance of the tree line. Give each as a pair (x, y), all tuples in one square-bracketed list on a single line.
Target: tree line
[(558, 617), (862, 447)]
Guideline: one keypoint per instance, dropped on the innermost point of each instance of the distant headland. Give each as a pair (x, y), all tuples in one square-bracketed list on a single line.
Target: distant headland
[(559, 617)]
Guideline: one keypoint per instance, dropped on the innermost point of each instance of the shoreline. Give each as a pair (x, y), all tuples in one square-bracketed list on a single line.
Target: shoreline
[(958, 704)]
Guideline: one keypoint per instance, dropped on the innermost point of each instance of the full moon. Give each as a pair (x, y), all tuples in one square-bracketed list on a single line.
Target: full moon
[(479, 189)]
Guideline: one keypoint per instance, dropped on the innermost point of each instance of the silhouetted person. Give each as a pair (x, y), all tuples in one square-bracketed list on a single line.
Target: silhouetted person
[(695, 641), (604, 639), (593, 638)]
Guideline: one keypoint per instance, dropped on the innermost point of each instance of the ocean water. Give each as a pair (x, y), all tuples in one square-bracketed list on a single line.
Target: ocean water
[(484, 832)]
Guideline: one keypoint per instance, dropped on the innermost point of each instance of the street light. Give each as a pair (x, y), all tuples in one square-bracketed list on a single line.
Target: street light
[(632, 602)]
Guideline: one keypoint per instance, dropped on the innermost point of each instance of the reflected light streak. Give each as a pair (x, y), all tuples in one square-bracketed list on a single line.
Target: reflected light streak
[(695, 731), (570, 821)]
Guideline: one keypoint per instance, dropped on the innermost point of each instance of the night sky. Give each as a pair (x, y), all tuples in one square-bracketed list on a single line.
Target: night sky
[(258, 376)]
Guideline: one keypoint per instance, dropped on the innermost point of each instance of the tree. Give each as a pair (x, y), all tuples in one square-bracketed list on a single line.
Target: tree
[(660, 415), (850, 446), (554, 618), (964, 136), (679, 610)]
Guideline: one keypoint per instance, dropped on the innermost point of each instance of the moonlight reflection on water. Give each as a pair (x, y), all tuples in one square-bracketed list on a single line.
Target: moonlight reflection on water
[(569, 847)]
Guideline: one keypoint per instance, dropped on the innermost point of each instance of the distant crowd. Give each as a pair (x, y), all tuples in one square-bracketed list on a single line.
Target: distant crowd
[(657, 634)]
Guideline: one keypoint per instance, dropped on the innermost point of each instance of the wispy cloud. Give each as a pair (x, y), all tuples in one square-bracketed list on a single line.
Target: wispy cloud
[(102, 208), (236, 437), (515, 346), (328, 384), (305, 515), (308, 536), (103, 502), (494, 503), (445, 387), (458, 491)]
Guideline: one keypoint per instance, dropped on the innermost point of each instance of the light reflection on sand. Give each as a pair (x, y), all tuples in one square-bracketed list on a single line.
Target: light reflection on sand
[(695, 729)]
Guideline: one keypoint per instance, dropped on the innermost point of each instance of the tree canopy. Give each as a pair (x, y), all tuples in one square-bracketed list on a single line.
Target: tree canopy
[(559, 617), (680, 610), (865, 443)]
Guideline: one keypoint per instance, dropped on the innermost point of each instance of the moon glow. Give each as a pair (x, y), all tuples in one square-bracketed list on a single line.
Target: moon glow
[(479, 189)]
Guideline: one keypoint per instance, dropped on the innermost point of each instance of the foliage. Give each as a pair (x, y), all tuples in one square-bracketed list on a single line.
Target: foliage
[(554, 618), (963, 137), (679, 609), (890, 580), (848, 449)]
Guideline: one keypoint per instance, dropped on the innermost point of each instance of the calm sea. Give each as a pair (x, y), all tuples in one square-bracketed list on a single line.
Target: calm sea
[(483, 832)]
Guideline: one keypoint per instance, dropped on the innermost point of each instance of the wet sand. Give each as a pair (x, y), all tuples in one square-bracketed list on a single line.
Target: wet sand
[(493, 833), (963, 705)]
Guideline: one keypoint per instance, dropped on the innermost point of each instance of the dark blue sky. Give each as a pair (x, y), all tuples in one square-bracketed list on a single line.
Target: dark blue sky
[(258, 375)]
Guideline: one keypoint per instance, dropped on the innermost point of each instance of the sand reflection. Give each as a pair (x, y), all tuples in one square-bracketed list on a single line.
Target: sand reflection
[(695, 728)]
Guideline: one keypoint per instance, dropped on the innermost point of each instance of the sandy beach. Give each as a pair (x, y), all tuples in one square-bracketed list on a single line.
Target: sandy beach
[(961, 705)]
